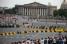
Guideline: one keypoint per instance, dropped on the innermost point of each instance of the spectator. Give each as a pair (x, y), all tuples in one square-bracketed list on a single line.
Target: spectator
[(54, 41), (50, 41), (32, 41), (23, 42), (60, 41), (42, 41), (19, 42), (37, 41), (46, 41), (57, 40), (64, 40), (28, 41)]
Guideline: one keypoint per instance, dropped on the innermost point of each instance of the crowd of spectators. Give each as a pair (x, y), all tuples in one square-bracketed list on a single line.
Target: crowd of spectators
[(49, 40)]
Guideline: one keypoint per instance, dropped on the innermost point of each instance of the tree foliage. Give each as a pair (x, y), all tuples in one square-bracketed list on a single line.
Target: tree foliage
[(55, 13), (61, 12), (10, 11)]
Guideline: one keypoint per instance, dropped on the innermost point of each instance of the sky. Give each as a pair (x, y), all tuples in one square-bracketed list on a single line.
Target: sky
[(12, 3)]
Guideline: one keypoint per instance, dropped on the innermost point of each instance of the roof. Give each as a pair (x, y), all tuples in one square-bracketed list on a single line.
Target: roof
[(34, 4)]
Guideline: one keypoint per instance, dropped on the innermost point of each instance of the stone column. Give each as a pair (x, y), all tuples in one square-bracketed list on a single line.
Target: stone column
[(37, 13), (25, 11), (44, 12), (34, 11), (22, 11), (29, 12), (40, 11)]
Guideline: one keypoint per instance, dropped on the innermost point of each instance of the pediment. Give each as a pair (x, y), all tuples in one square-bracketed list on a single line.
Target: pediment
[(34, 4)]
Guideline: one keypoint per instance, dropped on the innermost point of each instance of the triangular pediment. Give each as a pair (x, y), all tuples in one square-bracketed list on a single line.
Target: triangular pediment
[(34, 4)]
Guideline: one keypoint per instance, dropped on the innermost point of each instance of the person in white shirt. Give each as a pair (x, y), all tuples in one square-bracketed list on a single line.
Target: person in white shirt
[(64, 40), (42, 41), (54, 41)]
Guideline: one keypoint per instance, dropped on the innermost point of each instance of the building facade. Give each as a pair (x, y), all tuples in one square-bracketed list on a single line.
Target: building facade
[(35, 10), (64, 4), (2, 9)]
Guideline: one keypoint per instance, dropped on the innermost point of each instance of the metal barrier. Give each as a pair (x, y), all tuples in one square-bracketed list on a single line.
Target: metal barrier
[(7, 33), (31, 30)]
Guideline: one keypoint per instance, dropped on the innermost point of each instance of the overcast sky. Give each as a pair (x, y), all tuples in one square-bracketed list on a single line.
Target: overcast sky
[(12, 3)]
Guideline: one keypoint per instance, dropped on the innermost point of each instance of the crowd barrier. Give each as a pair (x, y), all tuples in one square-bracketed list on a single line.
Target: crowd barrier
[(31, 30), (7, 33)]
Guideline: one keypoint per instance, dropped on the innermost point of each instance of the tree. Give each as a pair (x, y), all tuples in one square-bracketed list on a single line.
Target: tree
[(10, 11), (61, 12), (55, 13)]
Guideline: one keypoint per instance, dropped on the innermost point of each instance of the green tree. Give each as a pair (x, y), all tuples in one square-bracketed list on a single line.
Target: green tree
[(61, 12), (10, 11), (55, 13)]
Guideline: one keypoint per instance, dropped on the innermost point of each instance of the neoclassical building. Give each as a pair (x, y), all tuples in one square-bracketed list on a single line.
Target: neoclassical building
[(35, 10)]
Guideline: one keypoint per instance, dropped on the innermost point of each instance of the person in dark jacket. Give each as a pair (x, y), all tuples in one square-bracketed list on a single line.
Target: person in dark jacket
[(60, 41), (66, 39), (50, 41), (57, 41), (45, 41)]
